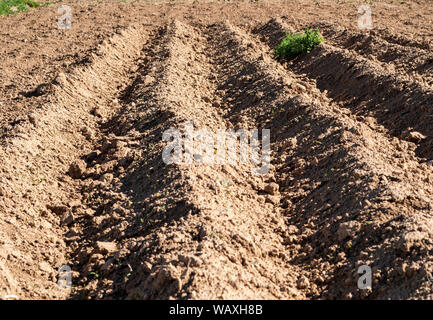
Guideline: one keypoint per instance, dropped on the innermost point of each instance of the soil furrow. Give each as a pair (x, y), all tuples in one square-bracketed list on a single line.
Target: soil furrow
[(36, 157), (373, 94), (152, 230), (203, 233), (412, 62), (328, 162), (402, 107)]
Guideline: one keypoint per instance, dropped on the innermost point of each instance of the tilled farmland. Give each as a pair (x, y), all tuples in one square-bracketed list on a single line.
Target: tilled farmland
[(83, 182)]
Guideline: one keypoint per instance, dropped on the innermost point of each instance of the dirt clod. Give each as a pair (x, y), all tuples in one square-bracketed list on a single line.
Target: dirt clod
[(272, 188), (67, 218), (77, 169), (106, 247), (348, 229), (303, 282)]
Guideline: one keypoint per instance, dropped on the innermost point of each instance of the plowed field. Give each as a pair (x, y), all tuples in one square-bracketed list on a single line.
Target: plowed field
[(83, 182)]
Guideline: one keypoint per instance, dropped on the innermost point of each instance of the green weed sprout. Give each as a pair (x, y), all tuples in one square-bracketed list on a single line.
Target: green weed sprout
[(297, 44)]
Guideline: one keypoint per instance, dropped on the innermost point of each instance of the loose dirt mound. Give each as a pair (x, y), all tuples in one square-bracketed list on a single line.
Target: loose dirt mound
[(84, 184)]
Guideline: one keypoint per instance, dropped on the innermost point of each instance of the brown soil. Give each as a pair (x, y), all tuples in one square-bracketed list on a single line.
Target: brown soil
[(82, 181)]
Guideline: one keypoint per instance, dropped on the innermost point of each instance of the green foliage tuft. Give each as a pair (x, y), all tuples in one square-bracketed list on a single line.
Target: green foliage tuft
[(13, 6), (296, 44)]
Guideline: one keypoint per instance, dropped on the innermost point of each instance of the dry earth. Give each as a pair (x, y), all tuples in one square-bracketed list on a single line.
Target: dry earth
[(83, 183)]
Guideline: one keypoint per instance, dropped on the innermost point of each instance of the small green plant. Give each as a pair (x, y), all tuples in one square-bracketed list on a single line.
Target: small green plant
[(13, 6), (297, 44)]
